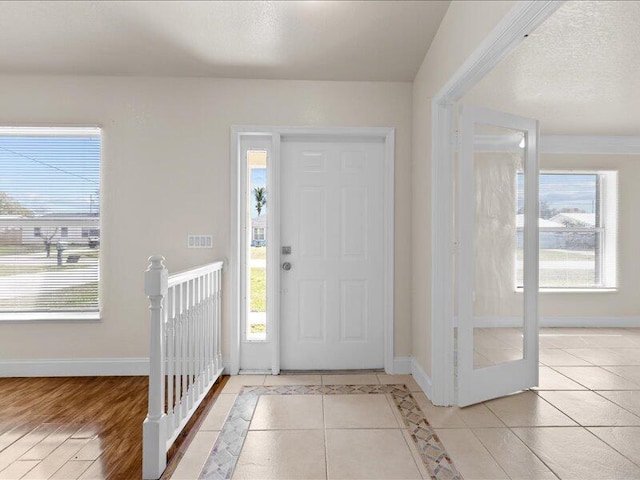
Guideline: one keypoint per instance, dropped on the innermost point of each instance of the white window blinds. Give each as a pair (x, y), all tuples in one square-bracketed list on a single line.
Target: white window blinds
[(49, 219), (578, 230)]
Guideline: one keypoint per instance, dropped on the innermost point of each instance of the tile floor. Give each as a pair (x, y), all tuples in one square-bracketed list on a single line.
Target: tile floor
[(582, 422)]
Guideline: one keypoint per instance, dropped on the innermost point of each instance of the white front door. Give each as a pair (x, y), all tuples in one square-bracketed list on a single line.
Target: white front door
[(332, 220), (497, 274)]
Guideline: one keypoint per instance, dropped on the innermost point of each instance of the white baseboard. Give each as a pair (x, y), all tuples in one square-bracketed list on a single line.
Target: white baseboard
[(421, 377), (226, 365), (76, 367), (402, 365), (568, 321)]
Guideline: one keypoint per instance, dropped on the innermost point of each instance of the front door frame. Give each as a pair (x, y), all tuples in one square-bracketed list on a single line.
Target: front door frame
[(238, 132), (521, 20)]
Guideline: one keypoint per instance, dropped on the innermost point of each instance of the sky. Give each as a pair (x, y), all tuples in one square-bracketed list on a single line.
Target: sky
[(564, 191), (51, 175)]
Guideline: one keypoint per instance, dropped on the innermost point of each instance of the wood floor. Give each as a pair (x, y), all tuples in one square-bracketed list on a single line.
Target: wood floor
[(81, 427)]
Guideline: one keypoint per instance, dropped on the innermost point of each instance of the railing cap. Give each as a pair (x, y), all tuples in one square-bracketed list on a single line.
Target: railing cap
[(156, 278)]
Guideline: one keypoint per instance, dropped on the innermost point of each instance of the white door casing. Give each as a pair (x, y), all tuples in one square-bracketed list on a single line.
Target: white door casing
[(332, 217), (261, 352), (482, 232)]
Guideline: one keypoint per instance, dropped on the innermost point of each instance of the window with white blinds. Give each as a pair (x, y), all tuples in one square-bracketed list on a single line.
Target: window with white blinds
[(49, 221), (578, 230)]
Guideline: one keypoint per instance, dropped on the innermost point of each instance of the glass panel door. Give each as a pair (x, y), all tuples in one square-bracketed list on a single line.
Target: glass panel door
[(497, 214)]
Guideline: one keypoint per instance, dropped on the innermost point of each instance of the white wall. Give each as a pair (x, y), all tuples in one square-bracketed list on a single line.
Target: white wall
[(495, 283), (463, 28), (166, 173)]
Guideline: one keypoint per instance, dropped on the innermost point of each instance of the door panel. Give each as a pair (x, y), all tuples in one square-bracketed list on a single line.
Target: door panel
[(497, 235), (332, 209)]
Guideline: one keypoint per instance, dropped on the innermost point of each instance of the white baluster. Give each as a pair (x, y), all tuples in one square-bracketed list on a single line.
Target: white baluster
[(192, 341), (170, 343), (154, 428), (199, 386), (219, 318), (207, 329), (177, 295), (212, 332), (185, 350)]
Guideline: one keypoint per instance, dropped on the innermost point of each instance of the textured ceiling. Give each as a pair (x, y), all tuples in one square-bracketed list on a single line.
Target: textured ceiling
[(578, 73), (329, 40)]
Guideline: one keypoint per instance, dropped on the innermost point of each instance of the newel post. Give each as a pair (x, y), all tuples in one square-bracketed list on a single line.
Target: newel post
[(154, 455)]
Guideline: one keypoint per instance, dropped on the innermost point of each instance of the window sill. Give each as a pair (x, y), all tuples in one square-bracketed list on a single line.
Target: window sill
[(53, 317), (573, 290)]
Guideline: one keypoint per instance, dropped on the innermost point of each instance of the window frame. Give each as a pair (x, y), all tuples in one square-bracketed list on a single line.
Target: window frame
[(606, 230), (62, 316), (259, 234)]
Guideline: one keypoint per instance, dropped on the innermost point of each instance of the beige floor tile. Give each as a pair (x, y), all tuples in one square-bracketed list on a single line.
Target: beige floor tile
[(499, 355), (479, 361), (561, 340), (288, 412), (293, 380), (590, 409), (552, 380), (439, 417), (625, 440), (17, 469), (195, 457), (219, 411), (471, 458), (71, 470), (407, 380), (527, 410), (454, 417), (629, 400), (574, 453), (608, 356), (610, 339), (483, 339), (358, 411), (369, 454), (357, 379), (629, 372), (596, 378), (556, 357), (282, 454), (236, 382), (513, 455), (415, 454)]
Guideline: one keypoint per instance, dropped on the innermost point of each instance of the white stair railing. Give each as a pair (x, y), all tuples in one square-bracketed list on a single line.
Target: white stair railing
[(185, 359)]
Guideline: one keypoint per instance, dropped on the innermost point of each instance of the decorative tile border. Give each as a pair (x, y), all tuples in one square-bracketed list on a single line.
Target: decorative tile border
[(224, 455)]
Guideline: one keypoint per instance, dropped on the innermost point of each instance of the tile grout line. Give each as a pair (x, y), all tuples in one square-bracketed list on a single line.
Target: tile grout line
[(324, 436), (510, 428), (534, 453), (223, 458), (611, 446)]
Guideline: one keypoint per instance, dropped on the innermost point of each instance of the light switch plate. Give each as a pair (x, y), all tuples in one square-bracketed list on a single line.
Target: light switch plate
[(199, 241)]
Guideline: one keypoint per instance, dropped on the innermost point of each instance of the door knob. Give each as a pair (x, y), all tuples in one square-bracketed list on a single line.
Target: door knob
[(286, 266)]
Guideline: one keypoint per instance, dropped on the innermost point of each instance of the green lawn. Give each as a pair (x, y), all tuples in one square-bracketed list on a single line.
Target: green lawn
[(10, 270), (258, 290), (558, 255), (259, 253), (20, 249), (79, 297), (563, 278)]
